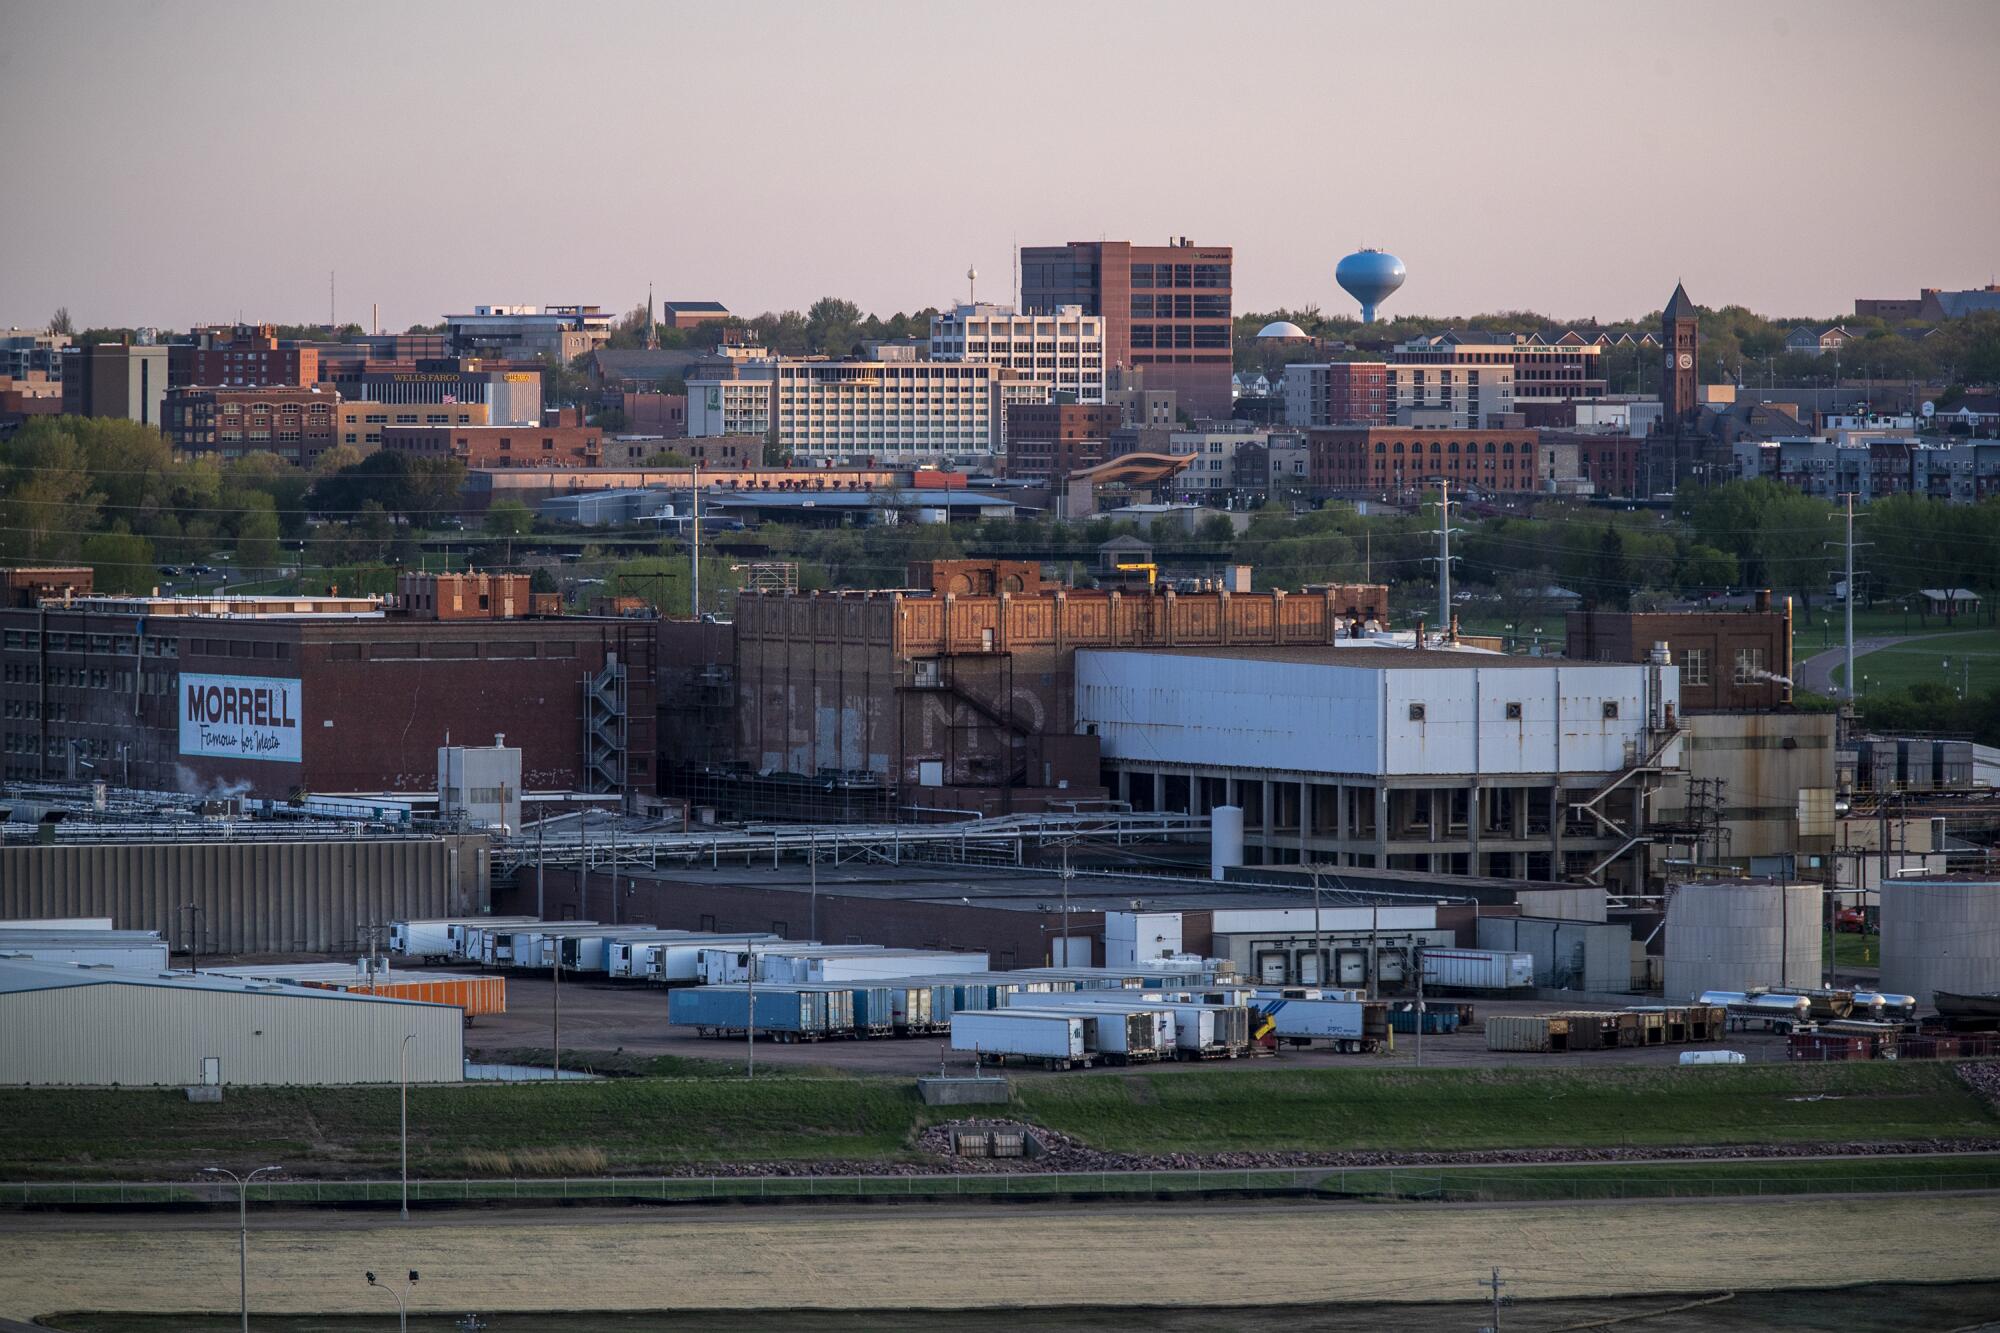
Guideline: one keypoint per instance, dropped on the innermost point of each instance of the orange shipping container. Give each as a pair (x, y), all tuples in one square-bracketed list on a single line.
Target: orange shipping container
[(475, 995)]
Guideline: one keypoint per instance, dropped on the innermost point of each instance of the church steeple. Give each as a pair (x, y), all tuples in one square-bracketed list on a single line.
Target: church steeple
[(652, 330)]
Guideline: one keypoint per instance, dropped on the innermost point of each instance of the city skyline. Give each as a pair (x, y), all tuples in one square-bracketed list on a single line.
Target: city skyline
[(402, 159)]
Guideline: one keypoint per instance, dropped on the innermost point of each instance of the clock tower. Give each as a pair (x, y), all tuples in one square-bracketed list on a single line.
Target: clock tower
[(1680, 339)]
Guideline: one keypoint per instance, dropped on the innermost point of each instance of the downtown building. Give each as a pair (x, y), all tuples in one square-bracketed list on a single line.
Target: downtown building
[(297, 423), (889, 408), (1166, 310), (1543, 376), (1336, 393), (1063, 348)]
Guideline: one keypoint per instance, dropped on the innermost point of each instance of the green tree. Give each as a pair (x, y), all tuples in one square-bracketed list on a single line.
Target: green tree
[(120, 562), (509, 518), (668, 458), (257, 534), (833, 326), (60, 323)]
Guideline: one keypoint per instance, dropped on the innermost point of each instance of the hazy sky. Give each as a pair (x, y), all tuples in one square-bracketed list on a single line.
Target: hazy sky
[(186, 161)]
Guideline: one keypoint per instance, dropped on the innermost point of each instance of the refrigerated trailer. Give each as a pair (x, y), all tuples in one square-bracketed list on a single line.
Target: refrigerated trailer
[(783, 1013), (441, 939), (1056, 1039), (1350, 1025)]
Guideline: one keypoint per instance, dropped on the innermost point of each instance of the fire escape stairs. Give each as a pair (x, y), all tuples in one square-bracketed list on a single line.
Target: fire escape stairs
[(1645, 765)]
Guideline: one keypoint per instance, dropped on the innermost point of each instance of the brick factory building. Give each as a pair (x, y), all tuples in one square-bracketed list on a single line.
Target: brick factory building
[(1048, 441), (275, 696), (501, 446), (1397, 458), (957, 693), (1728, 660)]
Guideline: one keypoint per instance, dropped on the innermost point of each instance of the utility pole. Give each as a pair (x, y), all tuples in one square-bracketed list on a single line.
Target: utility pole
[(1420, 1005), (556, 1036), (1067, 875), (1494, 1284), (750, 1018), (1444, 558), (812, 859), (1374, 949), (1849, 546), (1319, 950), (541, 873), (694, 560)]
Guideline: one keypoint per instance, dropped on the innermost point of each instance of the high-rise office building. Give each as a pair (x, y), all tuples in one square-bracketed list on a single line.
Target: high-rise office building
[(1064, 348), (1166, 309)]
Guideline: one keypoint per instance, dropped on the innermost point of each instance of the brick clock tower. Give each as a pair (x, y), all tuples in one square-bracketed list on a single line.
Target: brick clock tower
[(1681, 337)]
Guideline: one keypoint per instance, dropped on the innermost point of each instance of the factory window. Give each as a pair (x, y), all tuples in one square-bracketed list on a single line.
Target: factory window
[(558, 648), (1694, 667), (410, 648), (343, 652), (1749, 665), (1416, 712)]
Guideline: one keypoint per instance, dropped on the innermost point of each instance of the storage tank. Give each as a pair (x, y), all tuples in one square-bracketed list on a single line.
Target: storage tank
[(1941, 933), (1739, 935), (1225, 839)]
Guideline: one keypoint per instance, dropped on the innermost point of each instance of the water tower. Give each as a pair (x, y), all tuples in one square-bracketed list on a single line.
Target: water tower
[(1370, 277)]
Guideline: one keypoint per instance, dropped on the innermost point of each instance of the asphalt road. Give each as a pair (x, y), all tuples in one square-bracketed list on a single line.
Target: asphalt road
[(1815, 673)]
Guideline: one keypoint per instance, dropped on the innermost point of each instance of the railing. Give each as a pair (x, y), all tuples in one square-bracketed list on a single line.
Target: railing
[(1453, 1185)]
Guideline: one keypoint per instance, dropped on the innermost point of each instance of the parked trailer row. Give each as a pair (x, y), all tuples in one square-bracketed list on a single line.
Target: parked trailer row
[(1352, 1025), (1188, 1025)]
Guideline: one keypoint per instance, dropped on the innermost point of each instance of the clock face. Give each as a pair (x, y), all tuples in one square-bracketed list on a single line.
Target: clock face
[(1687, 361)]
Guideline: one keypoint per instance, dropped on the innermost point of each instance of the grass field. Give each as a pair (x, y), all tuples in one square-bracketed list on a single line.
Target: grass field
[(653, 1124), (1848, 948), (1020, 1259), (1974, 659), (1509, 1108)]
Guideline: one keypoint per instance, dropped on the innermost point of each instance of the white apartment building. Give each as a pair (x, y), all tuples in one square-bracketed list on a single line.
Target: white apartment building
[(1063, 349), (892, 410), (1453, 397)]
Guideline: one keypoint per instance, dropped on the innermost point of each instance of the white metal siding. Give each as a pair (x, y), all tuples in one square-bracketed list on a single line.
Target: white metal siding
[(141, 1036), (1304, 717)]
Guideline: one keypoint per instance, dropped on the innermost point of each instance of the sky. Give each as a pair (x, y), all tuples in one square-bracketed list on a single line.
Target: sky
[(195, 161)]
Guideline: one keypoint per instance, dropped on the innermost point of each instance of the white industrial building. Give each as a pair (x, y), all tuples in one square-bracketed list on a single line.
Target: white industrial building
[(1063, 348), (1455, 762), (65, 1025)]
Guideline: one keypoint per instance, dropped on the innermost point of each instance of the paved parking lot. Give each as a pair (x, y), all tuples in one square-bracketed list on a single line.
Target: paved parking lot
[(602, 1016)]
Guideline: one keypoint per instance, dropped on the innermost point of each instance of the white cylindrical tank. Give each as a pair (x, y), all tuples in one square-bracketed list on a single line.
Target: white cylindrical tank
[(1225, 839), (1738, 935), (1941, 933)]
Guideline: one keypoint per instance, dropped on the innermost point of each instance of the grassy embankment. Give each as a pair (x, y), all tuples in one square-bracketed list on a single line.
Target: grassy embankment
[(641, 1125)]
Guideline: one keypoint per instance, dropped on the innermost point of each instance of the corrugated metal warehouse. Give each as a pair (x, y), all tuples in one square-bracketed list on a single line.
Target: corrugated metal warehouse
[(64, 1025), (277, 896)]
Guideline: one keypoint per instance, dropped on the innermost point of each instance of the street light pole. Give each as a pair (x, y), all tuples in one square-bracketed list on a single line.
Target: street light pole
[(242, 1233), (812, 857), (402, 1307), (403, 1077)]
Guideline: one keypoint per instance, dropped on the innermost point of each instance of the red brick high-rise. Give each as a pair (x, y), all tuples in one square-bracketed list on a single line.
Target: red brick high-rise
[(1166, 309)]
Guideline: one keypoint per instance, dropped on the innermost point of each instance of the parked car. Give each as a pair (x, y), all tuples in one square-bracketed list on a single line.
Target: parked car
[(1852, 920)]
